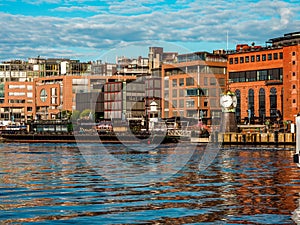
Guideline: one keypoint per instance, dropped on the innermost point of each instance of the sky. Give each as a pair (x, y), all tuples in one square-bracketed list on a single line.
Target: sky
[(90, 30)]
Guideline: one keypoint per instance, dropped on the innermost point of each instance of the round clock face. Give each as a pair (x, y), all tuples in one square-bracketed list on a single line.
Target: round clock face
[(226, 101), (234, 101)]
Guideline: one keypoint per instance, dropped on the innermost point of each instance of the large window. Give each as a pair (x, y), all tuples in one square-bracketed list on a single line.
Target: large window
[(251, 101), (262, 103), (238, 105), (273, 102)]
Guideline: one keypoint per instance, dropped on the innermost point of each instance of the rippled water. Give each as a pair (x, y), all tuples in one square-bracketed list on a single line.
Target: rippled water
[(52, 183)]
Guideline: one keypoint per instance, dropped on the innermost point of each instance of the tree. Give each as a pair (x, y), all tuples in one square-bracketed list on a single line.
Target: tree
[(75, 115), (85, 113)]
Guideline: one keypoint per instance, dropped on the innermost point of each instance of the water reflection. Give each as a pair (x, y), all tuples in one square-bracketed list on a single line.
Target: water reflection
[(48, 182)]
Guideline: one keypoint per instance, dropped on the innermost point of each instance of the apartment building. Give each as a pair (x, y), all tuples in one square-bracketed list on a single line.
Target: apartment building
[(38, 88), (266, 79), (192, 86)]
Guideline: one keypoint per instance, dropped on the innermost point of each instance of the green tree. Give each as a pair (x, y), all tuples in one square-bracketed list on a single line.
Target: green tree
[(75, 115), (85, 113)]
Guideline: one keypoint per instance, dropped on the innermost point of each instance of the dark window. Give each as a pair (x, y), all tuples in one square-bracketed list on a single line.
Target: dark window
[(236, 60), (263, 57), (294, 53), (181, 82), (174, 82), (189, 81), (280, 55), (251, 101), (294, 100), (241, 59), (257, 58), (230, 60), (212, 81), (270, 56), (238, 105), (294, 74), (262, 103), (252, 58), (247, 59), (273, 102), (294, 86), (262, 74), (251, 75), (294, 62), (275, 56), (192, 92)]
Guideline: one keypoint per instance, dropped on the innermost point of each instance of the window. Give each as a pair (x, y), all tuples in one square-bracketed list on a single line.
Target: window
[(213, 81), (247, 59), (275, 56), (294, 62), (238, 105), (166, 83), (174, 93), (230, 60), (294, 86), (190, 103), (241, 59), (236, 60), (174, 103), (273, 102), (294, 74), (192, 92), (270, 56), (252, 58), (257, 58), (251, 102), (43, 95), (262, 74), (294, 53), (280, 55), (189, 81), (181, 92), (174, 82), (181, 103), (181, 82), (294, 100), (205, 81), (263, 57), (262, 103)]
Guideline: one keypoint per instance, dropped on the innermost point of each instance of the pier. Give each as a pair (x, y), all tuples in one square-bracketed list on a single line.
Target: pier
[(233, 138)]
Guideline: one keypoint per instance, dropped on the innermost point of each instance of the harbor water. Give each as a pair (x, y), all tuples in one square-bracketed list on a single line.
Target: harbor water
[(55, 184)]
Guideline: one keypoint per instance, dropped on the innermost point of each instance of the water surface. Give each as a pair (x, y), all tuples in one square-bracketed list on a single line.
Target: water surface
[(52, 183)]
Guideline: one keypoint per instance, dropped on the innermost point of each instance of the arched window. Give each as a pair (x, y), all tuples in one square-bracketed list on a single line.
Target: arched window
[(273, 102), (238, 105), (251, 102), (262, 103)]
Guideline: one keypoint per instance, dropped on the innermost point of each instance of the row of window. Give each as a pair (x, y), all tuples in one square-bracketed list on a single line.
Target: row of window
[(261, 102), (190, 81), (256, 75), (256, 58)]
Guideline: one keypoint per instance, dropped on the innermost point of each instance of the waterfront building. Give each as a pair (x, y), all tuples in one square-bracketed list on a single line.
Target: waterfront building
[(266, 79), (192, 86)]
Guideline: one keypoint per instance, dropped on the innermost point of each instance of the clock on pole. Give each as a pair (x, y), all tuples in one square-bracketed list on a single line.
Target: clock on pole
[(228, 102)]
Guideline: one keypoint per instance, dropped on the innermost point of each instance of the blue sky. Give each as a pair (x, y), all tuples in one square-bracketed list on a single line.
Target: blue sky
[(92, 30)]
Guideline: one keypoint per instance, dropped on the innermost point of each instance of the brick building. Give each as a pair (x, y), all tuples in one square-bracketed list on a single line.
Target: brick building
[(192, 86), (265, 79)]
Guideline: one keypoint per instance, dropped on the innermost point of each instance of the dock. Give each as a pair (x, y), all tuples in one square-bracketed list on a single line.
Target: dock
[(233, 138)]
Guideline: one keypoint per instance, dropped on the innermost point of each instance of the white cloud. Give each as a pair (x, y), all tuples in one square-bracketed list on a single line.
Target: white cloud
[(198, 21), (78, 8)]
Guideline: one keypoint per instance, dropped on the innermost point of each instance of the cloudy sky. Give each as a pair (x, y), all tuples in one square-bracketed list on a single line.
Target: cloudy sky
[(91, 30)]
